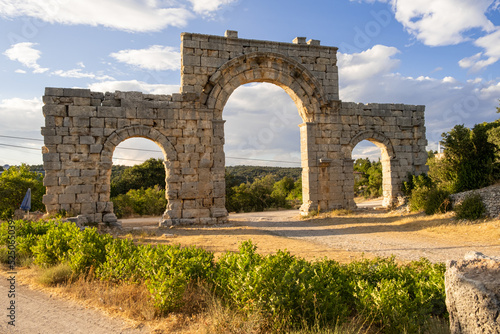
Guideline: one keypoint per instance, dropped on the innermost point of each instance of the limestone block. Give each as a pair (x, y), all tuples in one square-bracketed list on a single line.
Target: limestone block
[(473, 294), (66, 198), (51, 91), (54, 110), (110, 112)]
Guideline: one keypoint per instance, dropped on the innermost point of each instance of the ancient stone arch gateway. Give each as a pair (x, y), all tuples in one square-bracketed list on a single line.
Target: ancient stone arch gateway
[(82, 129)]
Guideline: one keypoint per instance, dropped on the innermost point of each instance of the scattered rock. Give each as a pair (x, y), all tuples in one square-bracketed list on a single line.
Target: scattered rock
[(473, 294)]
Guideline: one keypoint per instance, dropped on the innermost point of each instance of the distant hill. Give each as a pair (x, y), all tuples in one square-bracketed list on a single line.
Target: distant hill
[(243, 174)]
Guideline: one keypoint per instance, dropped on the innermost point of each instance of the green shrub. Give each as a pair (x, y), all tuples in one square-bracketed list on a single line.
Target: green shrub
[(53, 246), (291, 292), (398, 299), (87, 249), (168, 270), (471, 208), (122, 260), (430, 200)]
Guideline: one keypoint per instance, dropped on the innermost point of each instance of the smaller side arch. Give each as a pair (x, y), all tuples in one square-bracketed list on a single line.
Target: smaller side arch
[(376, 138), (134, 131), (169, 154), (390, 187)]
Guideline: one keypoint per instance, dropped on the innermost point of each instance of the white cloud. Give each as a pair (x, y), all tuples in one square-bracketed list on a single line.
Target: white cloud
[(20, 71), (448, 101), (261, 123), (26, 54), (133, 85), (77, 73), (15, 109), (477, 62), (206, 7), (442, 22), (156, 57), (130, 15), (367, 64)]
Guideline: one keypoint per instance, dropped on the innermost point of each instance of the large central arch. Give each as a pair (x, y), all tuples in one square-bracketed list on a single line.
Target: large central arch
[(269, 67), (82, 128)]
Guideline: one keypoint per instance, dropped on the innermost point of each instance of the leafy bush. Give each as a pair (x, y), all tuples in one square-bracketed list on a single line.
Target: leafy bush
[(289, 291), (140, 202), (87, 249), (168, 270), (416, 182), (52, 247), (430, 200), (398, 299), (471, 208), (122, 260), (27, 234)]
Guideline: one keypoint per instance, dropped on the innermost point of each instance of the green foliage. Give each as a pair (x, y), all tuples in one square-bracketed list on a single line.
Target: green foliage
[(368, 179), (168, 270), (146, 175), (53, 246), (469, 159), (26, 233), (472, 208), (292, 292), (398, 299), (416, 182), (140, 202), (13, 186), (431, 200), (87, 249), (244, 174), (264, 193), (122, 261)]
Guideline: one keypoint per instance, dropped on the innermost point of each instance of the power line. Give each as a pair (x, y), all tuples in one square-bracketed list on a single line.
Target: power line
[(17, 146), (142, 150), (20, 138)]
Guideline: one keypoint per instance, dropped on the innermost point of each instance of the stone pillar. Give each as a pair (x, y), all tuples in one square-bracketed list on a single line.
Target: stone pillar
[(348, 184), (310, 173), (218, 210)]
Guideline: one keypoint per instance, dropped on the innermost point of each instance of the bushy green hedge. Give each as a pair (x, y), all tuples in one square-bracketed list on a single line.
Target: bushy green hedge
[(472, 208), (288, 291)]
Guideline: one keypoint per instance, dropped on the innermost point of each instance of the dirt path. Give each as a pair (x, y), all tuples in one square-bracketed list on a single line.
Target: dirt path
[(39, 312), (378, 235)]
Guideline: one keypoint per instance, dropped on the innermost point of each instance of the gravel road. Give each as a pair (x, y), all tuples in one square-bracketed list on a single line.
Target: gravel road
[(373, 239), (37, 312)]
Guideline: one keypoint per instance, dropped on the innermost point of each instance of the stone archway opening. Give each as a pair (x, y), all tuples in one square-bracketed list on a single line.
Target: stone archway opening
[(368, 172), (372, 174), (261, 129), (137, 181)]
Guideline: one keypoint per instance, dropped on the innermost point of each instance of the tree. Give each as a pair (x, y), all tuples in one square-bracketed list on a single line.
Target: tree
[(469, 161), (14, 183), (146, 175)]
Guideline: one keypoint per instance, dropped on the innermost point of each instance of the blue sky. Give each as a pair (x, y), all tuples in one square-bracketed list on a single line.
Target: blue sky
[(441, 53)]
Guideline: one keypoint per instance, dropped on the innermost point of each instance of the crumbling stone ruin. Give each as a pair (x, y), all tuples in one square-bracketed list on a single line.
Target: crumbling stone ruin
[(82, 129), (473, 294)]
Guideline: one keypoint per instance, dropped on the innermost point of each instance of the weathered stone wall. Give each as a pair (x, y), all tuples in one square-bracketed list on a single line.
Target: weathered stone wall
[(82, 129), (490, 196)]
